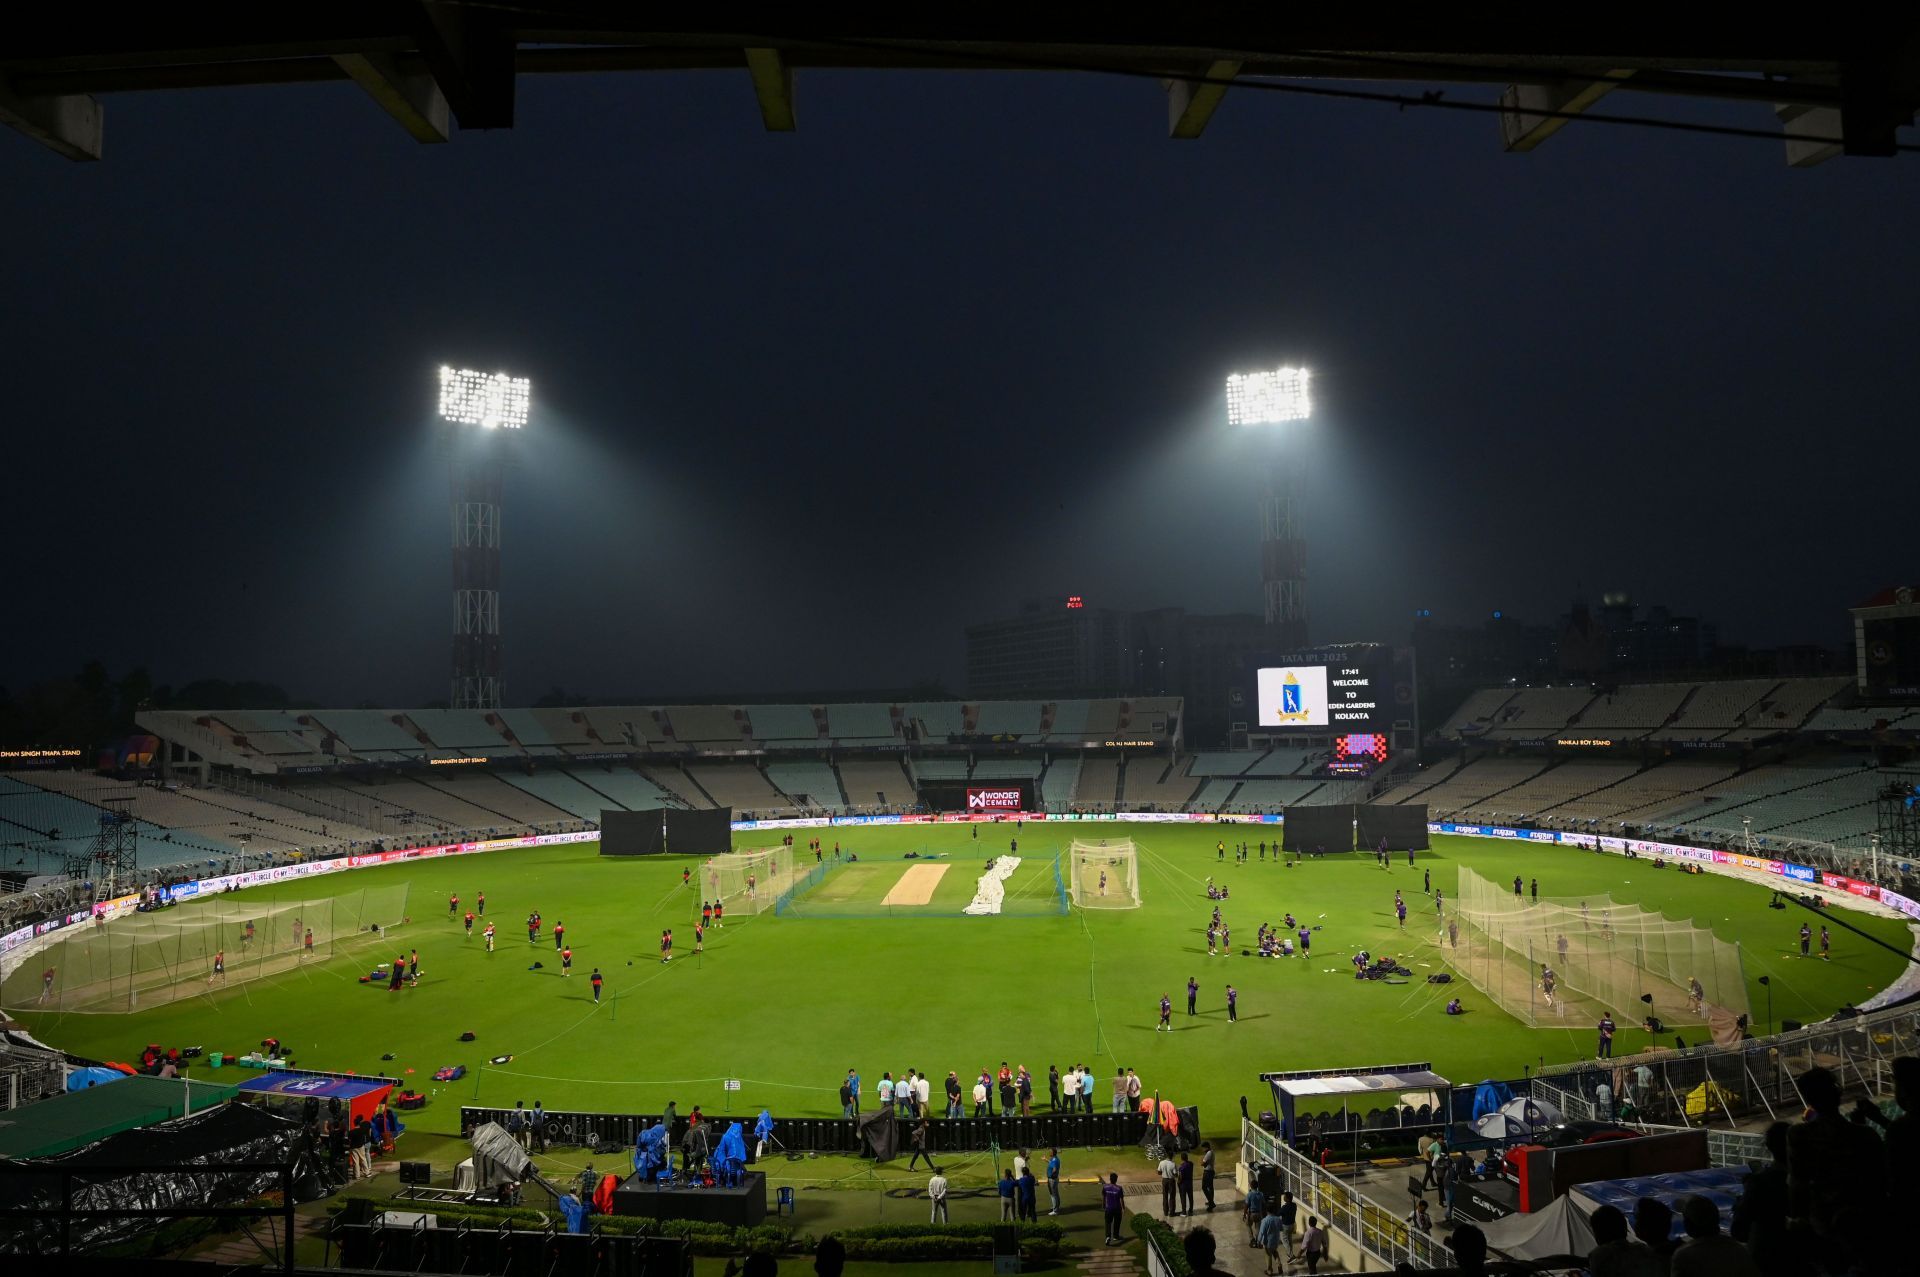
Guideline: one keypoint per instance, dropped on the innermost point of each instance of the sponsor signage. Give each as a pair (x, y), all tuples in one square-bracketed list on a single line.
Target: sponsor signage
[(994, 800)]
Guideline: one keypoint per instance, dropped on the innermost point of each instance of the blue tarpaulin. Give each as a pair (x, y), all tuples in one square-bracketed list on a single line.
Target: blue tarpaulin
[(98, 1075)]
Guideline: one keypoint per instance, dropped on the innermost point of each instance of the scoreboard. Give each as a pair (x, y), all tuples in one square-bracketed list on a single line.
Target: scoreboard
[(1341, 696)]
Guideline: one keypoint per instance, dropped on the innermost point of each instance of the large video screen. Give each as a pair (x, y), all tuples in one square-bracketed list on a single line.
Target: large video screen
[(1343, 696)]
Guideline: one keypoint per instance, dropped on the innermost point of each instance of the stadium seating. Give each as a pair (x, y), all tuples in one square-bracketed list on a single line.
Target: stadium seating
[(871, 782), (1258, 795), (785, 726), (1415, 787), (739, 786), (1070, 720), (1008, 718), (860, 725), (811, 785), (720, 725), (674, 780), (1645, 795), (1057, 783), (1863, 718), (1477, 712), (1099, 785), (1154, 782), (935, 721), (1280, 762), (368, 732), (1630, 712), (1542, 795), (1476, 785), (428, 805), (1537, 711), (1222, 764), (1102, 721), (940, 768), (1214, 794), (564, 726), (560, 792), (1818, 803), (622, 786), (1007, 768), (463, 729), (1789, 706)]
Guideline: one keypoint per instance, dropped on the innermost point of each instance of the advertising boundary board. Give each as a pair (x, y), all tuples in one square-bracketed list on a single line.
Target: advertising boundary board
[(20, 944)]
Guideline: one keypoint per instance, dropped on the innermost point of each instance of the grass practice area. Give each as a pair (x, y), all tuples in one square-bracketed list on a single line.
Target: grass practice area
[(787, 1003)]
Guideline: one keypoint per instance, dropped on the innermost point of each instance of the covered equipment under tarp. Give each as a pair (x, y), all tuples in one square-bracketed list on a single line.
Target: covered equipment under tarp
[(1345, 1089), (1709, 1098), (879, 1135), (498, 1159), (174, 1165), (1558, 1229), (729, 1161), (361, 1095), (63, 1122)]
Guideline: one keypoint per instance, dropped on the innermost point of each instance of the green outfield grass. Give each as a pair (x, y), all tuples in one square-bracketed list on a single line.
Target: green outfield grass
[(787, 1004)]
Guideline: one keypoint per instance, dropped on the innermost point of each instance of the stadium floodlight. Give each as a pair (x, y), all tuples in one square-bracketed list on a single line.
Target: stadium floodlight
[(489, 399), (1281, 394)]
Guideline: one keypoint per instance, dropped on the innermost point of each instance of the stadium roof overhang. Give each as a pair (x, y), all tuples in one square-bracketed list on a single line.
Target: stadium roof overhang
[(1833, 84)]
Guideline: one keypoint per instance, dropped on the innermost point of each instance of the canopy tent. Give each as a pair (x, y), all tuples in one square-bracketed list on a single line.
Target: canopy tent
[(362, 1095), (63, 1122), (1558, 1229), (181, 1164), (1517, 1119), (1377, 1087)]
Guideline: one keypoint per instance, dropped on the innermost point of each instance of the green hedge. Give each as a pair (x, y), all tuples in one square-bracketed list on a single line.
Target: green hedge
[(1157, 1232)]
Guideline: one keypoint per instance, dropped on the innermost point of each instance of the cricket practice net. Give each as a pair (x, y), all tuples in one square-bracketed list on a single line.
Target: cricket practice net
[(1104, 874), (150, 959), (1604, 955), (750, 881)]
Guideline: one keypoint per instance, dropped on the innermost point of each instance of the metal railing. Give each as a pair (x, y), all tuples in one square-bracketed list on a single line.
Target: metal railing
[(1376, 1229), (1721, 1086)]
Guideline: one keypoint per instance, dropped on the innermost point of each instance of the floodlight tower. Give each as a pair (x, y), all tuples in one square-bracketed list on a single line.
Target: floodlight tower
[(481, 415), (1271, 399)]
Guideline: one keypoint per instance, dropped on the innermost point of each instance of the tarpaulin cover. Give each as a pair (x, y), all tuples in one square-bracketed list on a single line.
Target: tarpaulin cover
[(96, 1075), (631, 833), (62, 1123), (498, 1158), (1559, 1228), (879, 1135), (172, 1165), (576, 1212), (730, 1159), (362, 1095), (1489, 1096), (1318, 828), (1721, 1186)]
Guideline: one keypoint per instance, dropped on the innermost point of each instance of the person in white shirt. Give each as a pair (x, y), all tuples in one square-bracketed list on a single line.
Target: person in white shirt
[(979, 1099), (1070, 1089), (1133, 1090), (1020, 1164), (922, 1090), (903, 1093), (937, 1194)]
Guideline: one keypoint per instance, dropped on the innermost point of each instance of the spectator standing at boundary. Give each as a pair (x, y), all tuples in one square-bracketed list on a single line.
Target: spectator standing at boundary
[(1206, 1174), (1007, 1188), (1053, 1181), (1029, 1193), (1119, 1090), (953, 1095), (853, 1078), (1133, 1092), (1113, 1200), (1169, 1186), (1186, 1184), (1070, 1089), (846, 1094), (1053, 1088)]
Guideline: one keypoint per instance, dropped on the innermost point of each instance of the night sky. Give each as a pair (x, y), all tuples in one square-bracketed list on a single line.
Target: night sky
[(806, 405)]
